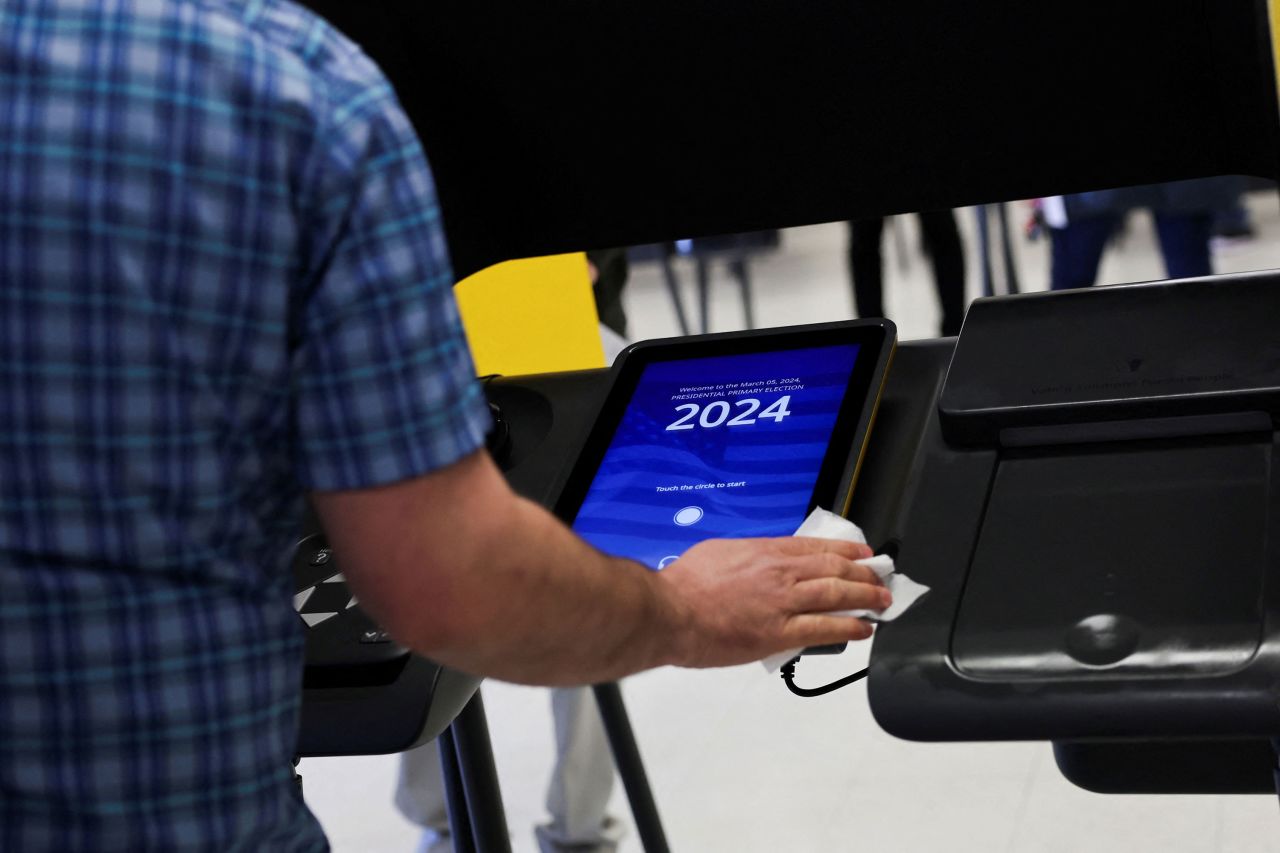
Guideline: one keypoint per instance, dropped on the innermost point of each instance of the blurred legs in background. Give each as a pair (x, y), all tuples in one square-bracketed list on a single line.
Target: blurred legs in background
[(577, 793), (942, 244), (1078, 247)]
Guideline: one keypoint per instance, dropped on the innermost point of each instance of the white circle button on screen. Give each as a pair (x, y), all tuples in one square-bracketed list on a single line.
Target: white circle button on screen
[(689, 515)]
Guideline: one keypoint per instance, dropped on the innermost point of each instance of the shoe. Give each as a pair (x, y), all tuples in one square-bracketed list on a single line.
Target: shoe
[(605, 841), (1235, 232), (434, 841)]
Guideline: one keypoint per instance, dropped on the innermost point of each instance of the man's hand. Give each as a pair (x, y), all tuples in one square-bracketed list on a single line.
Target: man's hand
[(740, 600)]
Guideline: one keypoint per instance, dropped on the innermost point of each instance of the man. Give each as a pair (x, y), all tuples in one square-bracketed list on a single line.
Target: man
[(225, 286)]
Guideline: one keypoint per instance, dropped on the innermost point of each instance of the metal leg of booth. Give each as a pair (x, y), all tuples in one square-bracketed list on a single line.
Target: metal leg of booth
[(455, 795), (703, 269), (482, 797), (899, 240), (673, 288), (738, 266), (1011, 283), (1275, 766), (1006, 246), (626, 756), (984, 249)]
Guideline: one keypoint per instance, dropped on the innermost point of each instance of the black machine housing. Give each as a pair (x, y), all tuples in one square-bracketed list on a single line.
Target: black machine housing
[(1095, 514)]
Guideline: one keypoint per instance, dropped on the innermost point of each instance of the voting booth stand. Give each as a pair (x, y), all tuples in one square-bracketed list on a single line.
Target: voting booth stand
[(1085, 480), (1093, 518)]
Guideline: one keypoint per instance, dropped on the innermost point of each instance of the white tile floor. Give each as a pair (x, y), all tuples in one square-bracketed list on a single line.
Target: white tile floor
[(739, 765)]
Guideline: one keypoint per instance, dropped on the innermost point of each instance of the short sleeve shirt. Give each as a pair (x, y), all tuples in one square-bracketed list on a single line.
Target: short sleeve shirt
[(223, 282)]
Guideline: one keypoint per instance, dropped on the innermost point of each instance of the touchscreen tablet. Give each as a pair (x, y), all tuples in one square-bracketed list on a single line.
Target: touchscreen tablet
[(726, 436)]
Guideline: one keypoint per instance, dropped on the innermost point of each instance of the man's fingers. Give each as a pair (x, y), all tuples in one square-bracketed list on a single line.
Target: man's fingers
[(816, 566), (799, 546), (825, 595), (813, 629)]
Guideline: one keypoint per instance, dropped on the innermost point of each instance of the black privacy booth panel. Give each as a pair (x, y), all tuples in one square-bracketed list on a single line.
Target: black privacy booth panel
[(590, 125), (1092, 513)]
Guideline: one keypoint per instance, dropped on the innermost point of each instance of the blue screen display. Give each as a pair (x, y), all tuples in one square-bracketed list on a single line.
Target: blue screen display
[(718, 447)]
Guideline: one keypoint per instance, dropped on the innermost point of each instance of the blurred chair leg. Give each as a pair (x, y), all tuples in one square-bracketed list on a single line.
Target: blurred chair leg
[(626, 756), (673, 288), (738, 266), (455, 795), (984, 248), (480, 779), (1006, 244), (900, 247), (704, 294), (1275, 748)]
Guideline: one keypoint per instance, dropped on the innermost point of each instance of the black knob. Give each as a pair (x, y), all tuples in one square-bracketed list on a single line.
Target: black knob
[(1103, 639), (498, 441)]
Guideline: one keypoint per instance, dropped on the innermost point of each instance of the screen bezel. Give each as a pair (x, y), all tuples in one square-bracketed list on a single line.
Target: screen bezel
[(837, 474)]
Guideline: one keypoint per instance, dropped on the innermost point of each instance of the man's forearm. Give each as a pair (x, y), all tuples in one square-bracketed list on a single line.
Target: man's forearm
[(470, 575), (546, 608)]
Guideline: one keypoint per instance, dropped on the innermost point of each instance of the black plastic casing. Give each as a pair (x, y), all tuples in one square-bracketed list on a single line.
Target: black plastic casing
[(1094, 514), (1092, 365)]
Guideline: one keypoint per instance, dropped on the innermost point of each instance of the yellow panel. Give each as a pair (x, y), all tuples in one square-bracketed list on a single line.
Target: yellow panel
[(532, 316), (1275, 37)]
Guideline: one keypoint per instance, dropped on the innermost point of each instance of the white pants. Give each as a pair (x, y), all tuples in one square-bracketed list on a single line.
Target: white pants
[(577, 793)]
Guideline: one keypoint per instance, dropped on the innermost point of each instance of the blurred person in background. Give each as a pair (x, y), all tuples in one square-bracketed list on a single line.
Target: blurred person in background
[(578, 791), (1082, 225), (942, 245)]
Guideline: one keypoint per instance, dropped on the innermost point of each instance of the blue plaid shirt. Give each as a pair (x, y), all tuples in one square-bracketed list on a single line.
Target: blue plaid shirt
[(223, 282)]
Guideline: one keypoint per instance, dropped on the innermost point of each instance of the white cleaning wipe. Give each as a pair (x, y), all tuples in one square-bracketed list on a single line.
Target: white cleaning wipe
[(822, 524)]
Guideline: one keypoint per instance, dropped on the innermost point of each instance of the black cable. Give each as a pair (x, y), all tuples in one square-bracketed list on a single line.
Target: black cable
[(789, 675)]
